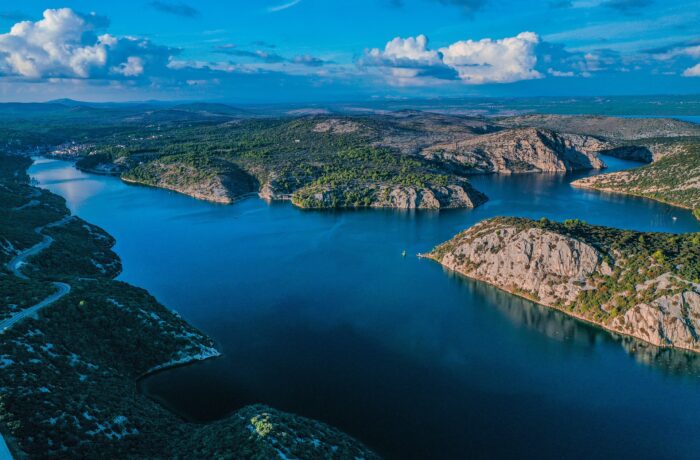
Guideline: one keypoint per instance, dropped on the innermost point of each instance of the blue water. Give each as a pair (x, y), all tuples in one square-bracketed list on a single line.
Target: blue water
[(318, 313)]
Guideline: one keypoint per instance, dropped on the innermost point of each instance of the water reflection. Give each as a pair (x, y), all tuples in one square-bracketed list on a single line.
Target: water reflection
[(572, 332)]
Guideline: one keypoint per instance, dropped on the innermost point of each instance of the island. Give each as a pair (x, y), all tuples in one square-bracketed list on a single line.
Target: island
[(643, 285)]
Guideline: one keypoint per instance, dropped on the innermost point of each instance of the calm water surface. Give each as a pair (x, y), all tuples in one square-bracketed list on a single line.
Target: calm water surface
[(318, 313)]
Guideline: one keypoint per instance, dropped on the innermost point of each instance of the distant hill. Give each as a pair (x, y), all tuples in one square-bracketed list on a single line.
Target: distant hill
[(212, 108)]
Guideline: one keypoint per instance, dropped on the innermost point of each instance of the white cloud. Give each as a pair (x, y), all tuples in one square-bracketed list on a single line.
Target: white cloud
[(679, 56), (275, 9), (65, 44), (494, 61), (133, 67), (411, 49), (692, 51), (409, 61), (52, 46), (559, 73), (692, 72)]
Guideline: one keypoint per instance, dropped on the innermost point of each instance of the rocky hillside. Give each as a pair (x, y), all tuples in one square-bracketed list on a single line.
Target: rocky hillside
[(199, 177), (520, 150), (645, 285), (404, 159), (637, 139), (673, 179), (419, 196)]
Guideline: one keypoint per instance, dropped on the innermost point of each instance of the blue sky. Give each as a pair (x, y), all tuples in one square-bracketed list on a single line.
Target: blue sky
[(316, 50)]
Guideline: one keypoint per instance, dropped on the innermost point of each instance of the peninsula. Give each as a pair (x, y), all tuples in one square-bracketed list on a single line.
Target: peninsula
[(673, 179), (645, 285)]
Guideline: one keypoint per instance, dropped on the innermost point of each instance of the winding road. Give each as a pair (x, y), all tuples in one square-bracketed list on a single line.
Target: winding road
[(62, 289), (15, 266)]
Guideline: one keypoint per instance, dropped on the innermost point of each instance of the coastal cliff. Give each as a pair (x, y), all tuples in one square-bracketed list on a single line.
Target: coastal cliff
[(428, 196), (199, 177), (521, 150), (645, 285)]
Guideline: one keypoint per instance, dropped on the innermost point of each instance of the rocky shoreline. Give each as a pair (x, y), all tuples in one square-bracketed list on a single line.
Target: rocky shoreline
[(673, 179), (587, 277)]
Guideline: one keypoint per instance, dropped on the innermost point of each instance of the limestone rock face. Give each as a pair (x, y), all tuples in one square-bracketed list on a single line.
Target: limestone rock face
[(554, 270), (222, 186), (521, 150), (393, 196), (588, 144), (668, 320), (336, 126), (544, 265), (451, 196)]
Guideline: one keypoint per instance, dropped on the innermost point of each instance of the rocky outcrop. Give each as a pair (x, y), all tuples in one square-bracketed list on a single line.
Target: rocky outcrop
[(336, 126), (540, 264), (588, 144), (596, 146), (520, 150), (223, 184), (555, 269), (390, 196), (436, 197), (669, 319)]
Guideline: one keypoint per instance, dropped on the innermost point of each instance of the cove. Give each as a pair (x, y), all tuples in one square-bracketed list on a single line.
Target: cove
[(319, 314)]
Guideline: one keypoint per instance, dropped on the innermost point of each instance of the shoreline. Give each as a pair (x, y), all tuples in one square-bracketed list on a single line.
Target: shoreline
[(97, 171), (554, 307), (581, 185), (196, 197), (186, 361)]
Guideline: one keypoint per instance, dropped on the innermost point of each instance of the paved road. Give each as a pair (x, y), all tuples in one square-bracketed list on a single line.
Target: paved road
[(62, 290), (20, 259), (15, 264)]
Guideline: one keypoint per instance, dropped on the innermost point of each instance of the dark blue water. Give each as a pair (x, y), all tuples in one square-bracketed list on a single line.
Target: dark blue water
[(318, 313)]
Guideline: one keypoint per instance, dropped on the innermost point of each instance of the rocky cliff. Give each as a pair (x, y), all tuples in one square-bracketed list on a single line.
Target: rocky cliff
[(627, 282), (219, 182), (428, 196), (520, 150)]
